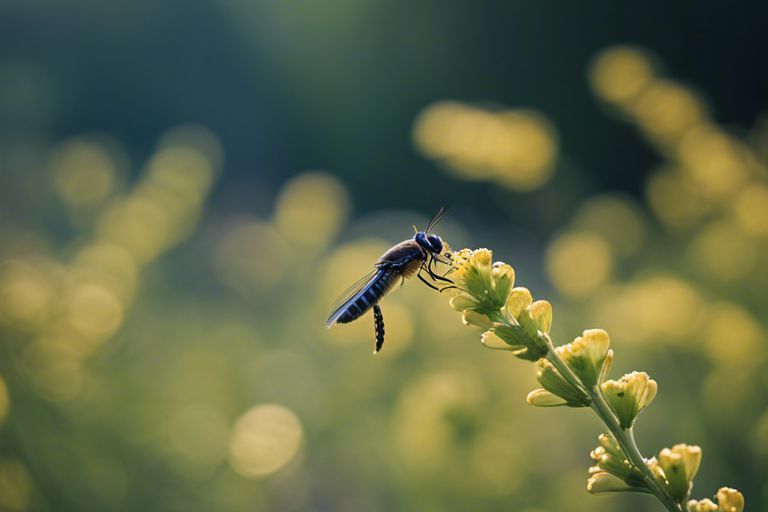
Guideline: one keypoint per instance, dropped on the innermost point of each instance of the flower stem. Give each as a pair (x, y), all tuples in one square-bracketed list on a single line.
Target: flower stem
[(625, 438)]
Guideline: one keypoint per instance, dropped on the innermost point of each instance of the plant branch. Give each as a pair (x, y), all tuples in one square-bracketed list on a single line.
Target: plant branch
[(625, 438)]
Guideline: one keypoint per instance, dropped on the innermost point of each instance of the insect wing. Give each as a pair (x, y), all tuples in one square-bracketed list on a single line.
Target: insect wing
[(350, 295)]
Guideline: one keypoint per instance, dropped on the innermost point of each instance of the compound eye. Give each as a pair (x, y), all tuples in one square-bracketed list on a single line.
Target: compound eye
[(422, 240), (436, 243)]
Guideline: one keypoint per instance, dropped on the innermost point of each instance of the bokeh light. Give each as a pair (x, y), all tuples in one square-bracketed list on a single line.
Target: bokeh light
[(578, 263), (732, 336), (15, 486), (657, 308), (618, 74), (430, 415), (26, 292), (84, 172), (198, 436), (264, 440), (617, 219), (5, 401), (252, 255), (722, 252), (311, 209), (751, 210), (515, 148), (163, 305)]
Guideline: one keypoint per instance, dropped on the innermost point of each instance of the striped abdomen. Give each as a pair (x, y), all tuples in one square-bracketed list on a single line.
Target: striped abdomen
[(379, 285), (401, 261)]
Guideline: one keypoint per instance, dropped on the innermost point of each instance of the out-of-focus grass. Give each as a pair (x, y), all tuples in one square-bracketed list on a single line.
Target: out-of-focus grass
[(158, 354)]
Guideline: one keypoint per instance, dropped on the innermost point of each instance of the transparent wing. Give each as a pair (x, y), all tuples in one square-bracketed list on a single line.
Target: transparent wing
[(351, 293)]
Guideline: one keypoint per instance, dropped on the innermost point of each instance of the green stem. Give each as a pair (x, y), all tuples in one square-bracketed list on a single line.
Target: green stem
[(625, 438)]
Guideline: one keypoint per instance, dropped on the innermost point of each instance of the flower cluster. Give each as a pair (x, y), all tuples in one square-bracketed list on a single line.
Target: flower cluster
[(728, 500), (576, 375), (486, 297), (612, 471)]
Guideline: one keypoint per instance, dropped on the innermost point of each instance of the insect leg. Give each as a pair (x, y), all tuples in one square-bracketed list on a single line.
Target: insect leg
[(426, 282), (435, 276), (378, 325)]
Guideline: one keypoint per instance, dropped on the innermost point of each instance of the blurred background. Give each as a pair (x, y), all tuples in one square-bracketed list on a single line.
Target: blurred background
[(186, 187)]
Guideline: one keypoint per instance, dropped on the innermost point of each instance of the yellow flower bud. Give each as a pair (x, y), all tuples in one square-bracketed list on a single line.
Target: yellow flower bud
[(502, 270), (470, 317), (542, 398), (519, 299), (680, 465), (541, 313), (705, 505), (526, 346), (585, 355), (482, 257), (610, 458), (653, 465), (490, 340), (603, 483), (503, 277), (472, 274), (629, 395), (551, 380), (730, 500), (462, 302)]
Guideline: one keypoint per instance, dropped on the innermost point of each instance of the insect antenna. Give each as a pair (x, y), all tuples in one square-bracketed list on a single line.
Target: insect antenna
[(435, 219)]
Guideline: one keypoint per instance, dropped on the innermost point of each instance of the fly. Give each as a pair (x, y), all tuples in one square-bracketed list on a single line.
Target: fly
[(406, 259)]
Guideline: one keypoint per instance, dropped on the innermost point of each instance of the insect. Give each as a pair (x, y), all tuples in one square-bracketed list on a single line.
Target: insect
[(409, 257)]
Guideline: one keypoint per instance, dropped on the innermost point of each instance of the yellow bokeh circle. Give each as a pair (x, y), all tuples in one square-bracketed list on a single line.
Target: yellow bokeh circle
[(311, 208), (579, 263), (264, 440)]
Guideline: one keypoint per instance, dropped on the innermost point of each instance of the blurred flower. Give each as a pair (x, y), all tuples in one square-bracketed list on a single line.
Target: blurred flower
[(5, 401), (750, 209), (84, 172), (680, 464), (515, 148), (586, 355), (619, 73), (311, 209), (578, 263), (617, 219), (728, 500), (264, 440), (629, 395), (16, 486)]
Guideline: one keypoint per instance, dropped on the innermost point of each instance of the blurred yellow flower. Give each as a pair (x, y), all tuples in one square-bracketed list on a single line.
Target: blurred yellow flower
[(579, 263), (5, 401), (515, 148), (264, 440), (619, 73), (311, 209)]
